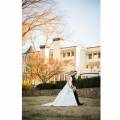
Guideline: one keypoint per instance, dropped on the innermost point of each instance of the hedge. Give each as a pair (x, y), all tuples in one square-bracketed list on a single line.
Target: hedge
[(80, 83)]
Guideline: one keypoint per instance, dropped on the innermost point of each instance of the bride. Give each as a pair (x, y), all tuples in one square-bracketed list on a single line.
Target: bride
[(66, 95)]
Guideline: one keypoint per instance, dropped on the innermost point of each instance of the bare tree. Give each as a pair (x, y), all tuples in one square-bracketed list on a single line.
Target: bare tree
[(38, 15), (39, 70)]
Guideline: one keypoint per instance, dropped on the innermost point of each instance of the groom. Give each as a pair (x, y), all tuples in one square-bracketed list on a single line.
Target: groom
[(75, 92)]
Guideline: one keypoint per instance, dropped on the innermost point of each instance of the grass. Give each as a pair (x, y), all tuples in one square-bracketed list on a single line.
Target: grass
[(33, 111)]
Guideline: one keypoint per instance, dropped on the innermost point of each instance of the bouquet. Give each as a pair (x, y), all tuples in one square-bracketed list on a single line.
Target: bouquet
[(73, 87)]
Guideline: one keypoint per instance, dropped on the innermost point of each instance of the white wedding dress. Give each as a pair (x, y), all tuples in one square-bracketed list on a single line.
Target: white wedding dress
[(65, 97)]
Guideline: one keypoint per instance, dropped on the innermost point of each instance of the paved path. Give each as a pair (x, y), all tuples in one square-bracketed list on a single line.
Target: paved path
[(33, 111)]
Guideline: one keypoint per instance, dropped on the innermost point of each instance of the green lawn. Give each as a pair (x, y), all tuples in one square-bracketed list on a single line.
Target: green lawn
[(33, 111)]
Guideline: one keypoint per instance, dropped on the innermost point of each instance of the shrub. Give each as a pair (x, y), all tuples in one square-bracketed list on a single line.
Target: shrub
[(79, 78), (88, 82), (26, 85), (57, 85), (60, 84), (80, 83), (46, 86)]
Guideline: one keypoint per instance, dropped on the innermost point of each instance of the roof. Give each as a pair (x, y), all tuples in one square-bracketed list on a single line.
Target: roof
[(57, 39), (44, 46), (93, 47), (68, 47), (30, 50)]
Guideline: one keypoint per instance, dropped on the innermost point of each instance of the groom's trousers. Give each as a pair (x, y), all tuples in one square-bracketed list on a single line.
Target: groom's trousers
[(76, 97)]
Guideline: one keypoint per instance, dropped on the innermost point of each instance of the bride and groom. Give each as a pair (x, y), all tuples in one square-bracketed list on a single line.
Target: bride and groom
[(68, 95)]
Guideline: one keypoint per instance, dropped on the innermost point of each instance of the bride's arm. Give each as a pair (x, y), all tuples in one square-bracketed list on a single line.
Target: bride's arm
[(70, 83)]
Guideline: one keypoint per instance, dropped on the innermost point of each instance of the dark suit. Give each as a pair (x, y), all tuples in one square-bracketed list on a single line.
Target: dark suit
[(75, 92)]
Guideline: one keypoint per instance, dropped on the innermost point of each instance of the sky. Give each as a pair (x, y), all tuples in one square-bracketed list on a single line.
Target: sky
[(82, 22)]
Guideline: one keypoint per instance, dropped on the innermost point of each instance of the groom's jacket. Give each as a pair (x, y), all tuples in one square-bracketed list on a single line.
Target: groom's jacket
[(73, 80), (75, 92)]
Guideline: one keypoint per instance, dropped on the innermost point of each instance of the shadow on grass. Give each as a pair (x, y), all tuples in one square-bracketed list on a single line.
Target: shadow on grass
[(40, 116)]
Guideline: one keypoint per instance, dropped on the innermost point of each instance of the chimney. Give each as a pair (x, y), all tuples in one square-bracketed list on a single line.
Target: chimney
[(44, 53), (57, 48)]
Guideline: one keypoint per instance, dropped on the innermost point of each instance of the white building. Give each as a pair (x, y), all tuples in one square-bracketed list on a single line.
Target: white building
[(86, 61)]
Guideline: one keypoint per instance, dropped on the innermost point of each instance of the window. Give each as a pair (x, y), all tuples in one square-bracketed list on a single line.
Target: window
[(64, 54), (72, 53), (90, 56), (28, 58), (98, 55), (68, 54), (95, 53)]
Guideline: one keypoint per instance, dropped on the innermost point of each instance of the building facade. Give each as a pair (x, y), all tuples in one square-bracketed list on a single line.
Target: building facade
[(86, 61)]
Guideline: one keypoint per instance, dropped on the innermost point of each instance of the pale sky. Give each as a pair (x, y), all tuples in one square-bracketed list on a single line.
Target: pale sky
[(82, 19)]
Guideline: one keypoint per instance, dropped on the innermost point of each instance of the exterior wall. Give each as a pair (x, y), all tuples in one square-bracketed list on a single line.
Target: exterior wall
[(44, 53), (77, 59), (93, 62), (84, 92), (57, 49), (92, 67), (83, 58), (28, 58), (77, 56), (81, 61), (68, 55)]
